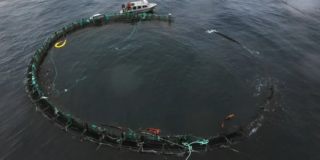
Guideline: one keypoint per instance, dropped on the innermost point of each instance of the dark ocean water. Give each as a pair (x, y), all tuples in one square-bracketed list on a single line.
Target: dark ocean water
[(177, 77)]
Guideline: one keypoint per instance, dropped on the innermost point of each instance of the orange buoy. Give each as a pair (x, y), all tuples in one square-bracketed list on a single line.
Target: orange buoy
[(155, 131), (227, 118)]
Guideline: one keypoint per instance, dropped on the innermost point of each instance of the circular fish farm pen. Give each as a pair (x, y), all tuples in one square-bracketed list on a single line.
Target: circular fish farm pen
[(52, 97)]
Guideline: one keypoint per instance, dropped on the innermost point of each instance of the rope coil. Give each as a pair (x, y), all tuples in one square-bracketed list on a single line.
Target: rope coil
[(62, 45)]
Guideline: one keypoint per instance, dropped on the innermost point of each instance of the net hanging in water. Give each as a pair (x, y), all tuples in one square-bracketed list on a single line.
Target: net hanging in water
[(143, 141)]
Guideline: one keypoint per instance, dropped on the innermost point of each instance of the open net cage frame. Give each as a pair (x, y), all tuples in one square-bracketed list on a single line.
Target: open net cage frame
[(116, 136)]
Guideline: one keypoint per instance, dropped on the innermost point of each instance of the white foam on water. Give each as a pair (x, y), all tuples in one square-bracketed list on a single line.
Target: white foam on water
[(251, 51), (211, 31), (256, 124), (254, 130)]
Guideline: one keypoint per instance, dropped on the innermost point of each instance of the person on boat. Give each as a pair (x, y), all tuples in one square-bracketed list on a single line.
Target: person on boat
[(123, 7), (128, 7)]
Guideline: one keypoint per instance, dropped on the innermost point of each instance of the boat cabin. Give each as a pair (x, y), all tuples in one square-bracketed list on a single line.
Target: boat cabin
[(138, 6)]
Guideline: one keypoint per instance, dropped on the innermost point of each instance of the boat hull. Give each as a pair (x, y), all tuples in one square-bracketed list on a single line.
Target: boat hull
[(143, 10)]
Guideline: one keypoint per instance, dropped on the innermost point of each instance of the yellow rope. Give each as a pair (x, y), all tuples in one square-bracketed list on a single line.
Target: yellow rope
[(57, 44)]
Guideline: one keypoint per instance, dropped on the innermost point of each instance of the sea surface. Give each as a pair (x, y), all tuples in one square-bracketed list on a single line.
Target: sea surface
[(217, 58)]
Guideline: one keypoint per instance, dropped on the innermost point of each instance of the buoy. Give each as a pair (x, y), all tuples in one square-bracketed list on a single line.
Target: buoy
[(59, 46), (227, 118), (155, 131)]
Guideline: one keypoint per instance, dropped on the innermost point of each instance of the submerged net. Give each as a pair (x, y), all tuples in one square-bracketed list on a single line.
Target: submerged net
[(143, 141)]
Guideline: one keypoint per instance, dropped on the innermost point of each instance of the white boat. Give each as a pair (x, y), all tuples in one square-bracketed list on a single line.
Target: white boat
[(141, 6)]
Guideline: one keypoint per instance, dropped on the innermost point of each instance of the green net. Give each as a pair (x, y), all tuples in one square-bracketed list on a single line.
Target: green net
[(139, 141)]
